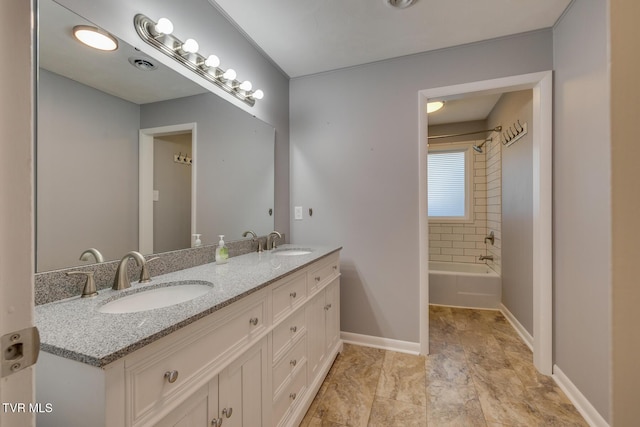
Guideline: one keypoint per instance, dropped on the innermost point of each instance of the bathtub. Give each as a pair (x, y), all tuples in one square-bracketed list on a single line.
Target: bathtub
[(464, 285)]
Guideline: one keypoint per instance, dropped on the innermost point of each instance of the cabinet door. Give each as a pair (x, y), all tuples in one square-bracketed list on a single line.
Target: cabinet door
[(242, 387), (316, 333), (198, 410), (332, 315)]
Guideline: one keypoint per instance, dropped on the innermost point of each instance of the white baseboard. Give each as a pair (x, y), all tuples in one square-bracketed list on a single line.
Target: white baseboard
[(590, 414), (524, 334), (379, 342)]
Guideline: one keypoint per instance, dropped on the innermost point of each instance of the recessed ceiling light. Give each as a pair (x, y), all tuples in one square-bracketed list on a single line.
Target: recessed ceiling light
[(95, 37), (434, 106), (400, 4)]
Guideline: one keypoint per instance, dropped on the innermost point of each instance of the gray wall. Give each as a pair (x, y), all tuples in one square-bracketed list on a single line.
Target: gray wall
[(199, 20), (172, 210), (83, 132), (517, 206), (354, 160), (582, 201), (234, 161)]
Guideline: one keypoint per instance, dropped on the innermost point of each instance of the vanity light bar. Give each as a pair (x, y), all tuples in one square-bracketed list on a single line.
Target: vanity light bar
[(159, 36)]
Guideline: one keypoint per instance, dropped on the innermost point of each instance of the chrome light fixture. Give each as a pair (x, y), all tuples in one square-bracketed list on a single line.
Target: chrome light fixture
[(160, 36)]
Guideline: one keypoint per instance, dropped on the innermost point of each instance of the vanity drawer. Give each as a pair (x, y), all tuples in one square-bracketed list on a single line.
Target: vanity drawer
[(289, 396), (288, 331), (288, 296), (321, 275), (149, 378), (292, 361)]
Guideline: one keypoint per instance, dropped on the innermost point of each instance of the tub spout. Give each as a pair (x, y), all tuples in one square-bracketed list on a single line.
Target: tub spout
[(486, 257)]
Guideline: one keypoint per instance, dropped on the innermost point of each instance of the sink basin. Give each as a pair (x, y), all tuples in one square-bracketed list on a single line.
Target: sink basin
[(292, 251), (160, 297)]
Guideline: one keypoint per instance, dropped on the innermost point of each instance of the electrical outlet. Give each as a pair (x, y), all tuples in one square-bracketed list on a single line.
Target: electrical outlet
[(298, 212), (156, 195)]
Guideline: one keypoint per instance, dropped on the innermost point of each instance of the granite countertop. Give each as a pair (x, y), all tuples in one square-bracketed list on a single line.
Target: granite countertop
[(73, 328)]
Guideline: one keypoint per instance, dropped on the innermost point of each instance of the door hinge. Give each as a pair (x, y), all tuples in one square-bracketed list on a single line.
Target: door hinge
[(20, 350)]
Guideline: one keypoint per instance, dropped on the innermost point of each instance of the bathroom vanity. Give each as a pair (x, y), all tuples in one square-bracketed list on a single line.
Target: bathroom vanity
[(253, 351)]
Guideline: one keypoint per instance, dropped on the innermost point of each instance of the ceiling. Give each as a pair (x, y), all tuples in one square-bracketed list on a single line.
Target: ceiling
[(109, 72), (309, 36)]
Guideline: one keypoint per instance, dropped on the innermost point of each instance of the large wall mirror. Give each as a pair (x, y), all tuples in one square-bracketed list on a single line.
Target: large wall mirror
[(101, 115)]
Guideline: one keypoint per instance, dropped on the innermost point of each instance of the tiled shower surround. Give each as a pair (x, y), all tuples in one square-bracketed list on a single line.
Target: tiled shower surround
[(464, 242), (56, 285)]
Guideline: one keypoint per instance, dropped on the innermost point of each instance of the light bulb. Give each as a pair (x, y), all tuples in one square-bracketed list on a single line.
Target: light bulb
[(212, 61), (246, 85), (95, 37), (190, 46), (164, 26), (230, 74), (434, 106), (258, 94)]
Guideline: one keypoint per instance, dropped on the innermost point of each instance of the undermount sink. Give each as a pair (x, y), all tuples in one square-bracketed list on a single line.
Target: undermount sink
[(291, 251), (165, 296)]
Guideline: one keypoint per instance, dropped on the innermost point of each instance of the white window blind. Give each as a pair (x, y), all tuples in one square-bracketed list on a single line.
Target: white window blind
[(446, 184)]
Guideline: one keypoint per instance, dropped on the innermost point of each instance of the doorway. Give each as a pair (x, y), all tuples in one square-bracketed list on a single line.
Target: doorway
[(175, 147), (541, 84)]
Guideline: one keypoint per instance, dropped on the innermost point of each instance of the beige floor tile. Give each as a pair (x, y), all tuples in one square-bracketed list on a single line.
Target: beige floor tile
[(389, 412), (478, 373), (451, 405), (403, 378)]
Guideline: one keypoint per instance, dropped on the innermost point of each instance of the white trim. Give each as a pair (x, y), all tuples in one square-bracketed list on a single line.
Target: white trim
[(582, 404), (541, 83), (524, 334), (379, 342), (145, 189)]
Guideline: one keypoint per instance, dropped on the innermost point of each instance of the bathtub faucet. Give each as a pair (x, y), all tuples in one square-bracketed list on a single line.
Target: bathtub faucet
[(486, 257)]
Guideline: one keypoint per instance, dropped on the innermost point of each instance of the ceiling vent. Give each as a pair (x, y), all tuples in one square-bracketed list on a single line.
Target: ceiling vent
[(143, 64), (400, 4)]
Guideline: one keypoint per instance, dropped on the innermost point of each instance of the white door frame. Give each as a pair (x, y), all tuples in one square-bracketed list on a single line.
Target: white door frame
[(145, 192), (17, 265), (541, 84)]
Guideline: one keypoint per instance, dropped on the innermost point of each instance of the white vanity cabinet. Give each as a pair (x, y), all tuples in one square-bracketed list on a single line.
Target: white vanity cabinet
[(257, 362)]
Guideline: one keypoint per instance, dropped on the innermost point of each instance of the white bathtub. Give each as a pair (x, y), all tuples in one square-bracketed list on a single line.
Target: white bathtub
[(464, 285)]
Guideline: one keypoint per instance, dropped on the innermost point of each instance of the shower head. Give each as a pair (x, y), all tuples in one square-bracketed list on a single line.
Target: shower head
[(478, 148)]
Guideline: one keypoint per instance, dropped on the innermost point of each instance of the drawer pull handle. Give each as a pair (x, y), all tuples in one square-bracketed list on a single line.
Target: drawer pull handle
[(317, 278), (292, 396), (293, 362), (227, 412), (171, 376), (294, 329), (327, 307), (293, 294), (335, 267), (253, 321), (216, 422)]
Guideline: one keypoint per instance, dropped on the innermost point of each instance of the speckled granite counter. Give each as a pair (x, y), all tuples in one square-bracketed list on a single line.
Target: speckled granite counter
[(75, 329)]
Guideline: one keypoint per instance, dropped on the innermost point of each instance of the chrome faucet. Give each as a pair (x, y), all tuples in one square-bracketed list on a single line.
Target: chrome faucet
[(486, 257), (271, 242), (89, 289), (254, 238), (491, 237), (121, 281), (91, 252)]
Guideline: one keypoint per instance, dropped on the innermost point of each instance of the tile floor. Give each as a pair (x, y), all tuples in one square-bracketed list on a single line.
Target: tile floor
[(479, 373)]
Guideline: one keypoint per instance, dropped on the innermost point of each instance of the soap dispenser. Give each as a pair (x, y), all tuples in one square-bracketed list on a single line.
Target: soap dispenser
[(222, 253), (197, 242)]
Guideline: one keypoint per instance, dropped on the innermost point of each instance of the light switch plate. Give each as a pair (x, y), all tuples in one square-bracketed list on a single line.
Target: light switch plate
[(297, 212), (156, 195)]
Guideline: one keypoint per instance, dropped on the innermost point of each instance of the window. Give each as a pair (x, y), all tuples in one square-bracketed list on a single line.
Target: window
[(450, 183)]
